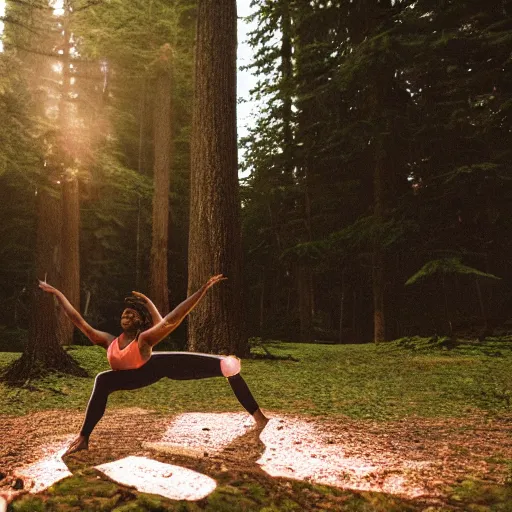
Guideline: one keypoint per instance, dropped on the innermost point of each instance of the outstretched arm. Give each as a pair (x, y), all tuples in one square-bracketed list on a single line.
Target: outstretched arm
[(97, 337), (159, 331), (155, 314)]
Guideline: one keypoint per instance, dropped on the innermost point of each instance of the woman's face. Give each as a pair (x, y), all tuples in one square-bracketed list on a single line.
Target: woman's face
[(130, 320)]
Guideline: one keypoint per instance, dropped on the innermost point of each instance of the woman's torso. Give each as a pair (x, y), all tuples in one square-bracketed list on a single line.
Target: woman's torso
[(127, 356)]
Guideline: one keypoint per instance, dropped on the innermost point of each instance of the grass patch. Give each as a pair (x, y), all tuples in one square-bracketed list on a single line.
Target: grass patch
[(477, 496), (383, 382)]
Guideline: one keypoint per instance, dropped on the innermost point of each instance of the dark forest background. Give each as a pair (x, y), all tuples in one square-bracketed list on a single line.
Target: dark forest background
[(377, 201)]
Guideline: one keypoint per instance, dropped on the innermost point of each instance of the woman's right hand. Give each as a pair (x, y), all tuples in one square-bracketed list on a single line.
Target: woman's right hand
[(47, 287), (214, 280)]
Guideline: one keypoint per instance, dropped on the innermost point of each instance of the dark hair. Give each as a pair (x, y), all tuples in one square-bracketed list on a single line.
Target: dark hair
[(140, 306)]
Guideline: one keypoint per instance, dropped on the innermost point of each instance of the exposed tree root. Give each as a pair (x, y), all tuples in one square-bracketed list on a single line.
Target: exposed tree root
[(28, 367)]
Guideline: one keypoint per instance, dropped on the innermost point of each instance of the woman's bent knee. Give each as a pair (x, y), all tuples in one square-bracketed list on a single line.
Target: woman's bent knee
[(230, 366)]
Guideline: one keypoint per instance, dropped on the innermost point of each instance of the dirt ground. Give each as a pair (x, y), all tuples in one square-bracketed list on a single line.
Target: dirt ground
[(412, 458)]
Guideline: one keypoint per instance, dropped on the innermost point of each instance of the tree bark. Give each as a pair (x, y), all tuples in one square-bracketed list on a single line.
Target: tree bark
[(69, 254), (216, 325), (69, 282), (378, 273), (262, 303), (341, 338), (158, 287), (287, 91), (303, 159), (305, 283)]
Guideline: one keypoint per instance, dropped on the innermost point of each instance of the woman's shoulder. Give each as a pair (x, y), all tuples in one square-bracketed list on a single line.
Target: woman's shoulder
[(113, 341)]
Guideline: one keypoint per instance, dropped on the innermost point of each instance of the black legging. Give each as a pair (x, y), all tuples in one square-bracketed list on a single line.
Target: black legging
[(173, 365)]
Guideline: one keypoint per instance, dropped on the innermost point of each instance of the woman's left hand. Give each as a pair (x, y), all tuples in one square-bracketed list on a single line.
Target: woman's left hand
[(47, 287), (141, 296)]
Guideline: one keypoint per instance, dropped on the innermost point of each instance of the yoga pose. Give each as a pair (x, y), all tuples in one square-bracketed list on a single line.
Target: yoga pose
[(134, 365)]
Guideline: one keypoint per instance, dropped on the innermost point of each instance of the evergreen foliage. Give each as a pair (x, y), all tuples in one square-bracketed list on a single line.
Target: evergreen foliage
[(420, 90), (446, 266)]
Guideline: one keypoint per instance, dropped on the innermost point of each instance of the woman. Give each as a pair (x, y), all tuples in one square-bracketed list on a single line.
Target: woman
[(134, 365)]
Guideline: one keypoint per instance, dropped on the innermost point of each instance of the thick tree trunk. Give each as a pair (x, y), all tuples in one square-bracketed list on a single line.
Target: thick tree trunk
[(69, 254), (69, 281), (158, 287), (43, 351), (216, 325)]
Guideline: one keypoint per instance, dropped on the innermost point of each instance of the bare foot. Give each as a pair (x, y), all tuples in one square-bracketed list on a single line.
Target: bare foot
[(260, 419), (80, 443)]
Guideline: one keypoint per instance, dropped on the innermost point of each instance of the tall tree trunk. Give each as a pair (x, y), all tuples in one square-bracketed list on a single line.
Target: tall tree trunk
[(356, 313), (69, 254), (262, 303), (140, 167), (303, 159), (378, 273), (305, 282), (69, 282), (43, 351), (216, 325), (158, 287), (341, 338)]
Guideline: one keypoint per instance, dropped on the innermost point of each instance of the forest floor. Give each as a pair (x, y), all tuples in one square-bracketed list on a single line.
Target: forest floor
[(320, 461), (415, 464)]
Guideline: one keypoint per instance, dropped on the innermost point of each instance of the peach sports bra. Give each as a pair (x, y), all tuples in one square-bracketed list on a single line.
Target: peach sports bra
[(128, 358)]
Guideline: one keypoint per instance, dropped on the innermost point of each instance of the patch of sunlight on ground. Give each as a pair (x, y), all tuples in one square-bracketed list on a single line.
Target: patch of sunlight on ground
[(47, 470), (151, 476), (295, 449), (196, 433)]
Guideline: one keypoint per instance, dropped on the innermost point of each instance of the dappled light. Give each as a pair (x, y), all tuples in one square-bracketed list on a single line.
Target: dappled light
[(295, 448), (200, 433), (48, 470), (151, 476), (58, 7)]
